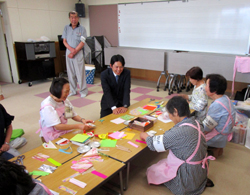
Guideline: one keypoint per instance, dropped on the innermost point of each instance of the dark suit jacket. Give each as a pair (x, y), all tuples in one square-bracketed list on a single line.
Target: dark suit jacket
[(115, 94)]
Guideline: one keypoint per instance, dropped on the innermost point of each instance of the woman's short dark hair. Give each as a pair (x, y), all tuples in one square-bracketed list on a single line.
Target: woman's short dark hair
[(195, 73), (57, 86), (180, 104), (13, 179), (117, 58), (217, 83)]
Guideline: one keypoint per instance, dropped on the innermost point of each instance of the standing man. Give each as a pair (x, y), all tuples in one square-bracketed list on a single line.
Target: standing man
[(116, 83), (74, 36)]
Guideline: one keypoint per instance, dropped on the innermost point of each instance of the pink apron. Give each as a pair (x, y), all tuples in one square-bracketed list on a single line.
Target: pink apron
[(50, 133), (214, 132), (166, 169)]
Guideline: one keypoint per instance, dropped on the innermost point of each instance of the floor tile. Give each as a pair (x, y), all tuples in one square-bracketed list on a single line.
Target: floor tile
[(142, 90), (43, 95), (80, 102)]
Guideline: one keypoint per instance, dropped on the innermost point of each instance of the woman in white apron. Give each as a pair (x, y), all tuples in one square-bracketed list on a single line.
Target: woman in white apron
[(220, 118), (185, 169), (56, 109), (198, 100)]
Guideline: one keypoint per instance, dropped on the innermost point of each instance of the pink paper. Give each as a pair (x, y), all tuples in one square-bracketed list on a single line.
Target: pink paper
[(131, 143), (141, 141), (99, 174), (117, 135), (117, 121)]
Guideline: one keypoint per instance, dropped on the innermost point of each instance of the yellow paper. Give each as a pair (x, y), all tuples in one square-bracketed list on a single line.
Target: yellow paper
[(129, 135)]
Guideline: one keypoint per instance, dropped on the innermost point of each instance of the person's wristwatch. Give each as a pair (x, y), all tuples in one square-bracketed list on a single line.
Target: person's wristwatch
[(7, 143), (125, 106)]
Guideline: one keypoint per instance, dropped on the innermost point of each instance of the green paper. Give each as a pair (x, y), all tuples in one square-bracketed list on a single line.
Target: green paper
[(54, 162), (127, 117), (142, 111), (42, 173), (108, 143), (80, 138)]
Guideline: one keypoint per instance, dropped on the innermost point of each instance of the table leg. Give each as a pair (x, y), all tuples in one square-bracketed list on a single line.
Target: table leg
[(127, 176), (121, 182)]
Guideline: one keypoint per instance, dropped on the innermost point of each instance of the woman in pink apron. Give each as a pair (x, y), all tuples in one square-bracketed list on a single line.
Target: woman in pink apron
[(56, 109), (220, 118), (185, 169)]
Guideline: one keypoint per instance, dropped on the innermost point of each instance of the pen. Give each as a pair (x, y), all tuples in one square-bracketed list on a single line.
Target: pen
[(109, 156)]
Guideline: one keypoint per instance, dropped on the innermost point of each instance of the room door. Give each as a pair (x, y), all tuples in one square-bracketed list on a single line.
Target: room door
[(5, 72)]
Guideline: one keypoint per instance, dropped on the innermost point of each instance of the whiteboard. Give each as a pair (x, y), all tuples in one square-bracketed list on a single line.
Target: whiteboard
[(218, 26)]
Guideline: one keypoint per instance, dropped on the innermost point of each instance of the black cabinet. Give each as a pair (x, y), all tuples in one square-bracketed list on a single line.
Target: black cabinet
[(35, 60)]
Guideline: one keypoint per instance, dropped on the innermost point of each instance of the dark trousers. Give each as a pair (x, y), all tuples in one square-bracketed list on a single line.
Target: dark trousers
[(6, 155)]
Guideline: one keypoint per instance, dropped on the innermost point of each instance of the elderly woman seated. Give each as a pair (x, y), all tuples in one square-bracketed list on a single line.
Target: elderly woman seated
[(184, 171), (56, 109)]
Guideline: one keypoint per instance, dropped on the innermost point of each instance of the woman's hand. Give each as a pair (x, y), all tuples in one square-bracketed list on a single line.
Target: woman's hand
[(89, 121), (5, 147), (143, 136), (83, 126)]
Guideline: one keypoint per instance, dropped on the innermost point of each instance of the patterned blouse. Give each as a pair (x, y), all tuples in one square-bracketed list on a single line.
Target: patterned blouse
[(198, 101), (182, 141)]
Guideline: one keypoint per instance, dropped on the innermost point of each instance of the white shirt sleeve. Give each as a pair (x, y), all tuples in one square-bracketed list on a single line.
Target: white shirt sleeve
[(50, 116)]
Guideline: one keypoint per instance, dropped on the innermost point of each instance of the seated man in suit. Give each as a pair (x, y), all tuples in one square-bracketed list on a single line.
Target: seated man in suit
[(116, 82)]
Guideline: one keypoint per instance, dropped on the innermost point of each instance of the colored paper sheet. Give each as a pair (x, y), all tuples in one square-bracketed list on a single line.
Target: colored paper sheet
[(49, 145), (66, 189), (129, 136), (54, 162), (108, 143), (160, 118), (40, 173), (142, 111), (118, 121), (127, 117), (92, 152), (131, 143), (141, 141), (117, 135), (99, 174), (80, 138), (148, 107)]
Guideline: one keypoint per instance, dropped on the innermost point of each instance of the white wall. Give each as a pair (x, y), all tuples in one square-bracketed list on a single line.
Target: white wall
[(36, 18)]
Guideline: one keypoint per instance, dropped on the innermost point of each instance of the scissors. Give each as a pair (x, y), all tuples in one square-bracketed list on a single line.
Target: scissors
[(19, 160)]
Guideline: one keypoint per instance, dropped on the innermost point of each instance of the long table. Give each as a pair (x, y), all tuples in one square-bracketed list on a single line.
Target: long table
[(107, 126), (114, 160), (108, 167)]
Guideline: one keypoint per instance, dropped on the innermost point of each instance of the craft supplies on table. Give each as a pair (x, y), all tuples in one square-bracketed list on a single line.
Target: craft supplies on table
[(49, 145), (108, 143), (152, 118), (66, 189), (123, 148), (132, 144), (141, 124), (117, 135)]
